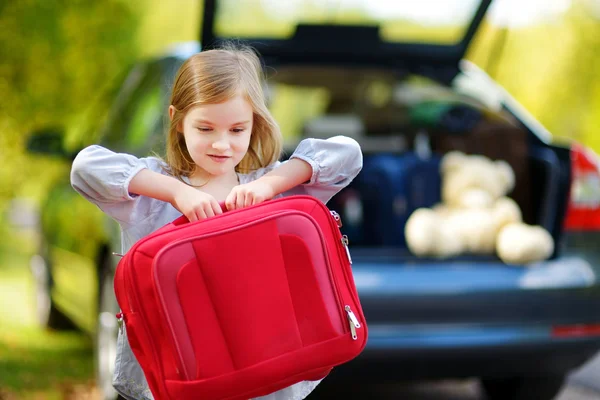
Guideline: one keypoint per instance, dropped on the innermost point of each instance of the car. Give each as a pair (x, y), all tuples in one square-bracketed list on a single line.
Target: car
[(519, 328)]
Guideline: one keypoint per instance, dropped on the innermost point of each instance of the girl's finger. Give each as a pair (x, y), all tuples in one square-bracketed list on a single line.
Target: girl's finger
[(216, 207), (257, 200), (230, 200), (191, 216), (240, 199), (249, 199), (200, 214), (208, 210)]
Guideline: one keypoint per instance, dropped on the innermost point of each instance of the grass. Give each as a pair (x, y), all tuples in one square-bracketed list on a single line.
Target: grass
[(36, 363)]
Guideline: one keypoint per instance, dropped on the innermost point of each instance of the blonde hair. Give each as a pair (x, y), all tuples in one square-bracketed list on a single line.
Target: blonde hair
[(214, 76)]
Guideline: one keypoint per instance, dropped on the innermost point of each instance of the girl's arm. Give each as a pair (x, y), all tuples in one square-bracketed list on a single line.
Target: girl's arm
[(102, 177), (335, 163), (288, 175), (115, 181), (319, 168), (190, 202)]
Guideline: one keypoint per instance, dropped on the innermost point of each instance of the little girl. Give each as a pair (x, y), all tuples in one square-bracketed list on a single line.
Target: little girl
[(222, 145)]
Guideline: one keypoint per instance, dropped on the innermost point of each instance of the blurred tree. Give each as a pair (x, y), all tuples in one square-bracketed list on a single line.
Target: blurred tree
[(165, 22), (56, 56), (571, 105), (551, 68)]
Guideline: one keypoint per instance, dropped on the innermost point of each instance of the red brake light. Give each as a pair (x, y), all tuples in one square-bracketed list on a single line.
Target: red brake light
[(583, 212), (568, 331)]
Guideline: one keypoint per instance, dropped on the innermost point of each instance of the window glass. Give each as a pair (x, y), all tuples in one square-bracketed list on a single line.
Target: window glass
[(434, 21), (328, 101)]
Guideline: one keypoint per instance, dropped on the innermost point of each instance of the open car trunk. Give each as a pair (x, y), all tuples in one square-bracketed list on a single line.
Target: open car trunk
[(385, 79), (393, 184), (405, 124)]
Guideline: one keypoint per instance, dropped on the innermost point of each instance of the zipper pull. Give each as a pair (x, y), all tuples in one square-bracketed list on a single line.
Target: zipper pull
[(120, 319), (345, 242), (337, 218), (354, 324)]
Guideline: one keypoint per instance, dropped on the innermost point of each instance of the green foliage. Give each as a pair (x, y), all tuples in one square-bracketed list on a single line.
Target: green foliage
[(34, 363), (165, 22), (56, 57), (60, 59), (81, 236), (550, 68)]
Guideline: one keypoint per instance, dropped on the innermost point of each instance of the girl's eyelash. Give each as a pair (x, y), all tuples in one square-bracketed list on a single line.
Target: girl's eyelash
[(235, 130)]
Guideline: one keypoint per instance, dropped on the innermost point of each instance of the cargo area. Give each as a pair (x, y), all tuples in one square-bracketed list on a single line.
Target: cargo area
[(393, 184), (405, 125)]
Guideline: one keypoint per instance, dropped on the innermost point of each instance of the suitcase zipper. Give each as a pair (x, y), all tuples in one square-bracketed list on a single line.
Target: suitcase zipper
[(337, 218), (353, 321), (345, 242)]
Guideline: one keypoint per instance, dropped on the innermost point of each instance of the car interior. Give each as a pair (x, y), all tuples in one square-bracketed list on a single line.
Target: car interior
[(404, 115)]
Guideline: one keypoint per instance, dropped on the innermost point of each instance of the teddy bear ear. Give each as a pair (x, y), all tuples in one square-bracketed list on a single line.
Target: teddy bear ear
[(506, 174), (452, 160)]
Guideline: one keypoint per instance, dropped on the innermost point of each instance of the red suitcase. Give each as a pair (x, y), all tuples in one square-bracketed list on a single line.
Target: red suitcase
[(242, 304)]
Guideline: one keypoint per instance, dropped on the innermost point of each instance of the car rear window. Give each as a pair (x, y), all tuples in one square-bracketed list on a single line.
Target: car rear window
[(364, 103), (423, 21)]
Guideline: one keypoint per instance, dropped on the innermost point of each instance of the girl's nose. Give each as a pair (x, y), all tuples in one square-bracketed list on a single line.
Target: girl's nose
[(221, 144)]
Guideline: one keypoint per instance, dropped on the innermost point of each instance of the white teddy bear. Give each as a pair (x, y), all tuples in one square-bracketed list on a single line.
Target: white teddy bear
[(476, 216)]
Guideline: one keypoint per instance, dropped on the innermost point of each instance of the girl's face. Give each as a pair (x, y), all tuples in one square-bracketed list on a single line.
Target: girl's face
[(217, 136)]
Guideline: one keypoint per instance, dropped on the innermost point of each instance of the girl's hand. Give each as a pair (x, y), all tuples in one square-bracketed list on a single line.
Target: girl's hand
[(249, 194), (194, 204)]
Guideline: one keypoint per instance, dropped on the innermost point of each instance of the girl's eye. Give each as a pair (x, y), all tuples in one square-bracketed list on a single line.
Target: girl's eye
[(238, 130), (202, 129)]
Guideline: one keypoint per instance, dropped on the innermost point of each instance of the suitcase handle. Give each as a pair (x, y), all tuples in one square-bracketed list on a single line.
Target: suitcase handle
[(183, 219)]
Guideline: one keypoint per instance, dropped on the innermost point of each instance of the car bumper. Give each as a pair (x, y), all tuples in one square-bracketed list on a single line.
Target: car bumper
[(466, 319), (397, 353)]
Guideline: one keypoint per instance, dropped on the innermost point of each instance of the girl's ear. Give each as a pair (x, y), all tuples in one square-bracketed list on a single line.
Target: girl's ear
[(172, 110)]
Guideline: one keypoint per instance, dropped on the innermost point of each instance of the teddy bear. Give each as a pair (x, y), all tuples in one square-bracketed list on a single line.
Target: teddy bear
[(476, 216)]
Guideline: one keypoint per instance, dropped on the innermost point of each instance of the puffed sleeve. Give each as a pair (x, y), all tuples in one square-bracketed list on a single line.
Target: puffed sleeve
[(103, 176), (335, 163)]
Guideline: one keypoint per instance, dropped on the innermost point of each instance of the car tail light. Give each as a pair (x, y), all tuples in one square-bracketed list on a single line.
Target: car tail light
[(566, 331), (583, 212)]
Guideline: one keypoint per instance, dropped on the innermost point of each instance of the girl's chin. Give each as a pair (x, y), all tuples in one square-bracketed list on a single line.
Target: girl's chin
[(217, 172)]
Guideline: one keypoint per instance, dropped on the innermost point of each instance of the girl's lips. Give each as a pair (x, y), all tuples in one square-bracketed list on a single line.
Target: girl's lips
[(219, 159)]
